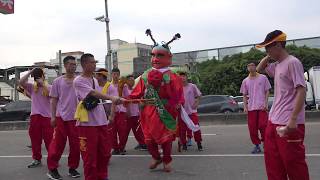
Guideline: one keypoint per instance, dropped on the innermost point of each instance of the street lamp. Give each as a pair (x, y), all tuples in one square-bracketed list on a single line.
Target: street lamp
[(105, 18)]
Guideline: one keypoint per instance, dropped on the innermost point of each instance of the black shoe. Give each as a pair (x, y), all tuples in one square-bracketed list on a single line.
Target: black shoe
[(143, 147), (200, 148), (123, 152), (256, 150), (115, 152), (184, 147), (34, 163), (29, 146), (54, 175), (73, 173)]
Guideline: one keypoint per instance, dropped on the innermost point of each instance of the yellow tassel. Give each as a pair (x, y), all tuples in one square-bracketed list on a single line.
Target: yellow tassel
[(45, 90), (105, 88)]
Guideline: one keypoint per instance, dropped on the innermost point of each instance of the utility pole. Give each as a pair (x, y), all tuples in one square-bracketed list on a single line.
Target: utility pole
[(60, 63), (108, 57), (105, 18)]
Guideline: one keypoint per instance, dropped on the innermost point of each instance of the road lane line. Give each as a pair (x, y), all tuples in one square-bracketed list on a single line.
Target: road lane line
[(176, 155), (203, 126)]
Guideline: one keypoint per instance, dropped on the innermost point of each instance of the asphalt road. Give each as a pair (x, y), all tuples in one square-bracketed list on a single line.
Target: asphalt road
[(226, 156)]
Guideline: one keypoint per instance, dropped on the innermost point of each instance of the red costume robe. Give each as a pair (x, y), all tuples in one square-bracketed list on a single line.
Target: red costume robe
[(170, 91)]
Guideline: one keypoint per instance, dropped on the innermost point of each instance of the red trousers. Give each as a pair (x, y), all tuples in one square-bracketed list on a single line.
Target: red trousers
[(257, 121), (285, 156), (154, 151), (183, 130), (39, 129), (133, 124), (95, 151), (64, 130), (189, 134), (119, 127)]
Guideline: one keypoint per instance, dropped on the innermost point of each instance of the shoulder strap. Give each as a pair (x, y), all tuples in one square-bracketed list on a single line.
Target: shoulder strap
[(93, 84)]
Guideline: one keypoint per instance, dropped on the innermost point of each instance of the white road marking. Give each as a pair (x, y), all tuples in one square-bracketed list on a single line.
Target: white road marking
[(201, 134), (203, 126), (176, 155)]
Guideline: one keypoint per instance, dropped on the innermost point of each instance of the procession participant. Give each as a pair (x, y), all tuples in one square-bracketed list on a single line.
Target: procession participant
[(133, 120), (192, 98), (39, 128), (119, 124), (255, 90), (285, 156), (158, 118), (102, 76), (63, 106), (92, 121)]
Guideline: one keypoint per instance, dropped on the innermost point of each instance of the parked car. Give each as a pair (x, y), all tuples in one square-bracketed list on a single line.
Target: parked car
[(239, 100), (217, 104), (15, 111), (4, 100)]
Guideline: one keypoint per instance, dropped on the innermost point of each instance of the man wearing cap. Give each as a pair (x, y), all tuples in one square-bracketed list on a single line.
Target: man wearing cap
[(40, 128), (284, 138), (102, 76), (255, 90), (63, 106)]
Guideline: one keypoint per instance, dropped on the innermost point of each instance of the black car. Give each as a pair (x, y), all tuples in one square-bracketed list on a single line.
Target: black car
[(16, 111), (217, 104)]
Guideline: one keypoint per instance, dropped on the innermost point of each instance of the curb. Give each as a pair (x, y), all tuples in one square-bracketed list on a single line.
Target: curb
[(241, 118)]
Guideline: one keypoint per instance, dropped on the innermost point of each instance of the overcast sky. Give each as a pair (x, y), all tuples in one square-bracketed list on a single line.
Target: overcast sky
[(39, 28)]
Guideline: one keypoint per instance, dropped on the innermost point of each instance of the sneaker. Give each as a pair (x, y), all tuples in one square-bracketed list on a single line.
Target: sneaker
[(189, 143), (185, 147), (200, 148), (144, 147), (256, 150), (115, 152), (73, 173), (54, 175), (34, 163)]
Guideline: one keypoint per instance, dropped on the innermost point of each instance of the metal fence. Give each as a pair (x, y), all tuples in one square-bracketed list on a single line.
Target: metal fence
[(220, 53), (190, 58)]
